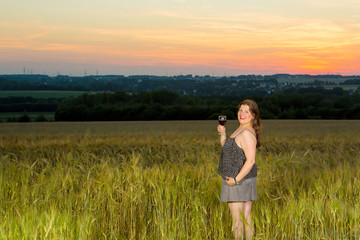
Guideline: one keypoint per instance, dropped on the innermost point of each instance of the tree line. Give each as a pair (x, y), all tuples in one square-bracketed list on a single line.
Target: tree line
[(28, 104), (155, 105), (183, 84), (303, 103), (167, 105), (203, 86)]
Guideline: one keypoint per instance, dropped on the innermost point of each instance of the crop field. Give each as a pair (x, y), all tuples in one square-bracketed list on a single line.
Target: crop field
[(158, 180)]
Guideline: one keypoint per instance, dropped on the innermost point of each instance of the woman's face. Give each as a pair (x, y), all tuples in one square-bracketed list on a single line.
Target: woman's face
[(244, 115)]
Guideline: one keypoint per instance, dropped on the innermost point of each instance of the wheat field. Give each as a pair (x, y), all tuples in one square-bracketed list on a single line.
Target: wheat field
[(158, 180)]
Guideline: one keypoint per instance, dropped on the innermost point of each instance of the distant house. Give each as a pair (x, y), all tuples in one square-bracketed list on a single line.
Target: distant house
[(263, 84)]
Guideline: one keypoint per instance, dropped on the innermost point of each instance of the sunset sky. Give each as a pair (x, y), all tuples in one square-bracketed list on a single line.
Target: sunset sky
[(173, 37)]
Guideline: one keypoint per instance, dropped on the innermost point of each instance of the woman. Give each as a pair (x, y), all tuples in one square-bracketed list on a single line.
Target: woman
[(238, 169)]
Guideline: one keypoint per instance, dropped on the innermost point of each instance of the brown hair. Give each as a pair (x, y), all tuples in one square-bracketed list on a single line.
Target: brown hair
[(256, 122)]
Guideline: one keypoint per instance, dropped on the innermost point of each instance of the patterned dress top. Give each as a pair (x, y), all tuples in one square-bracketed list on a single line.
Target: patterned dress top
[(232, 160)]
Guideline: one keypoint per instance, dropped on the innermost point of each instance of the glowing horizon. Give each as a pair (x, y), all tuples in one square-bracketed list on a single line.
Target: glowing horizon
[(180, 37)]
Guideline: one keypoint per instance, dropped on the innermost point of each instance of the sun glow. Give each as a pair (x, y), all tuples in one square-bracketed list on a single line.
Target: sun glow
[(243, 39)]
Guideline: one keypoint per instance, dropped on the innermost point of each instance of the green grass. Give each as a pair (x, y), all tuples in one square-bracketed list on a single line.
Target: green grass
[(4, 116), (40, 94), (158, 180)]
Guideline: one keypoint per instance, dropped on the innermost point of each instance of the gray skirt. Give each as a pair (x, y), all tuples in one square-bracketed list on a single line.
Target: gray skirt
[(245, 191)]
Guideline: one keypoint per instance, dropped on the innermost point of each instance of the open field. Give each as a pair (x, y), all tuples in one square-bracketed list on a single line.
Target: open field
[(158, 180), (35, 94), (50, 116), (40, 94)]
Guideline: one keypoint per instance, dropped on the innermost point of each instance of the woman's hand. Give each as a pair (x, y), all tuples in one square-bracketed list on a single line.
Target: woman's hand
[(222, 132), (221, 129), (230, 181)]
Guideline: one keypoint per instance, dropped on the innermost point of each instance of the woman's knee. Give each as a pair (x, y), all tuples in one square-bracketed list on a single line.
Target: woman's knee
[(247, 214), (238, 225), (247, 211)]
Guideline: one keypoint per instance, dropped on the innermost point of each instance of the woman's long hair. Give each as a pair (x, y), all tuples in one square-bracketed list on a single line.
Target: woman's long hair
[(256, 122)]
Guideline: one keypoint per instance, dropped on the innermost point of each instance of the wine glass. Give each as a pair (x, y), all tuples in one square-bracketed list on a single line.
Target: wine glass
[(222, 120)]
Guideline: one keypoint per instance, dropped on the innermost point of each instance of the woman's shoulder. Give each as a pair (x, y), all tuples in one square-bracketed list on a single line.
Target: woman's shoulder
[(248, 131), (247, 134)]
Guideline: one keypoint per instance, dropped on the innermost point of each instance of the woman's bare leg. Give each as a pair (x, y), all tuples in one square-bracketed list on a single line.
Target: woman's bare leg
[(236, 209), (249, 229)]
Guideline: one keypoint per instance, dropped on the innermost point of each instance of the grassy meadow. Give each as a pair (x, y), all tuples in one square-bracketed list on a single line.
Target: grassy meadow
[(158, 180), (5, 116)]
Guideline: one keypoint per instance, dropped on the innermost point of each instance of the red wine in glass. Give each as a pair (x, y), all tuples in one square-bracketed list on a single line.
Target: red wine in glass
[(222, 120)]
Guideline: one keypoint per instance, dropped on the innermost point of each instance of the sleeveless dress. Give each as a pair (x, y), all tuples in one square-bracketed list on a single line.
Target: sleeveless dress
[(231, 161)]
